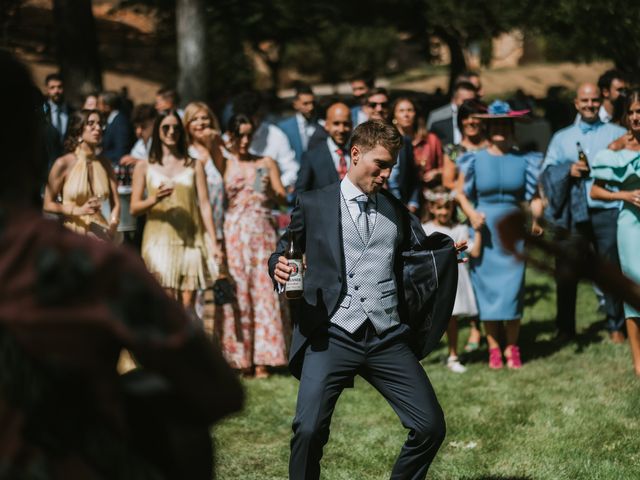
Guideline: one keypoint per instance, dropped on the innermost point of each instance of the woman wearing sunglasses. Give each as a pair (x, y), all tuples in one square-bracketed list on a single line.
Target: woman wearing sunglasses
[(177, 208)]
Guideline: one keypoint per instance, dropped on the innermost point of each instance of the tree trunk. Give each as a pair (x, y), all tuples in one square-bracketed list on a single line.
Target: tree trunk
[(77, 48), (458, 63), (193, 62)]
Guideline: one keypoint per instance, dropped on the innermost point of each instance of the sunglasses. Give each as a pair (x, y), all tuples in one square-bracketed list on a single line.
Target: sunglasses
[(166, 128), (376, 104)]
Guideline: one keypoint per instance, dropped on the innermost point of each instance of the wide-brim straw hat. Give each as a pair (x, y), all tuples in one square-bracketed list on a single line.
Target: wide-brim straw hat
[(499, 110)]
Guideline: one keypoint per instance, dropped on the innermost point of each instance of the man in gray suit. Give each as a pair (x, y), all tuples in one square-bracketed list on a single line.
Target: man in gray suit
[(446, 117), (358, 313)]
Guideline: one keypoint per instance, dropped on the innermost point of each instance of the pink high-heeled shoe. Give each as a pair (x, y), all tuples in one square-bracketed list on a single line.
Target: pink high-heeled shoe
[(495, 358), (512, 354)]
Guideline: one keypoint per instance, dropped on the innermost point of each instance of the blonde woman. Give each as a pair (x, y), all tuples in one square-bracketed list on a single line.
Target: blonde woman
[(81, 181), (202, 132)]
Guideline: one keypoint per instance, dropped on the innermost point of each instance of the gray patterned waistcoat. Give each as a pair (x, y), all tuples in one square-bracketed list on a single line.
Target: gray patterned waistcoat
[(370, 280)]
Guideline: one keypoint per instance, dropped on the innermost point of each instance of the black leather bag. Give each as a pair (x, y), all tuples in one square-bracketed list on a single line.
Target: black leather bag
[(223, 291)]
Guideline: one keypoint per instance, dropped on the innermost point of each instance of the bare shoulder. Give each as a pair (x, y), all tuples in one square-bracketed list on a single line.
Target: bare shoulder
[(64, 163), (620, 143), (267, 162), (141, 167)]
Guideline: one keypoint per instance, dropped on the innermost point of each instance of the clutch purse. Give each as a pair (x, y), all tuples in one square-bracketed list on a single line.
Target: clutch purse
[(223, 291)]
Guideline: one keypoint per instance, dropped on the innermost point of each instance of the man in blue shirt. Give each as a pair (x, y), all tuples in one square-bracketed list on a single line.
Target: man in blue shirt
[(572, 207)]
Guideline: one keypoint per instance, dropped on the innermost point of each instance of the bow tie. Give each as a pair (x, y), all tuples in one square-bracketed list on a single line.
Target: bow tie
[(587, 127)]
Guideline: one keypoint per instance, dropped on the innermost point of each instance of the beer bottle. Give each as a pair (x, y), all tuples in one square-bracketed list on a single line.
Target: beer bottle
[(582, 157), (293, 288)]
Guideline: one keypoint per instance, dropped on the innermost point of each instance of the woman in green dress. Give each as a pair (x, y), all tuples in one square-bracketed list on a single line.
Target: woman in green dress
[(619, 166)]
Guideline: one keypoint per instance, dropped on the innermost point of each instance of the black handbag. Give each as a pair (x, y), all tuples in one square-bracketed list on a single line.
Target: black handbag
[(223, 291)]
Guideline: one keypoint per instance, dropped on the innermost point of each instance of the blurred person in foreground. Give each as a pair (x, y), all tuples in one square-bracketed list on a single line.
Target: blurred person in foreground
[(498, 180), (81, 180), (427, 149), (566, 184), (68, 305), (620, 165), (328, 161)]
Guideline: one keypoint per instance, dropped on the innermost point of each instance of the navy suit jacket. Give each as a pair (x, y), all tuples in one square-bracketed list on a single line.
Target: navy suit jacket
[(444, 130), (117, 138), (317, 169), (425, 267), (408, 174), (290, 127)]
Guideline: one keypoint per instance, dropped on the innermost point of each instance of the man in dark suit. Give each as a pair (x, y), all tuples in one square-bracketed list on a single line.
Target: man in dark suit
[(117, 137), (360, 86), (328, 161), (403, 182), (300, 127), (57, 113), (360, 314), (444, 121)]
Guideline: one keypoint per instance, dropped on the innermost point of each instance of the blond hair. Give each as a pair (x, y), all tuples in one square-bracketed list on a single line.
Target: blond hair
[(191, 111)]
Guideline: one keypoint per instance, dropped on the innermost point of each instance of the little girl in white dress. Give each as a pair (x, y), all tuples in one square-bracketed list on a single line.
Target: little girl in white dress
[(440, 205)]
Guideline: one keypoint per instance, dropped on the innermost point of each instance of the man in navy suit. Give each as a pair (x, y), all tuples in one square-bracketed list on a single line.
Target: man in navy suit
[(328, 161), (360, 86), (359, 312), (300, 127), (117, 138)]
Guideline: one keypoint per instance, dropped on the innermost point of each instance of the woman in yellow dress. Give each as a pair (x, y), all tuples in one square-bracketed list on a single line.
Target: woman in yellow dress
[(80, 181), (177, 208)]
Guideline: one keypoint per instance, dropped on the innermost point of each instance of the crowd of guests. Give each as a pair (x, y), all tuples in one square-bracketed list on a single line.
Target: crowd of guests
[(210, 197)]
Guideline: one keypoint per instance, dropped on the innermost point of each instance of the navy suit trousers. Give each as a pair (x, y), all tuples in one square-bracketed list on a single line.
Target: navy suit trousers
[(601, 232), (332, 360)]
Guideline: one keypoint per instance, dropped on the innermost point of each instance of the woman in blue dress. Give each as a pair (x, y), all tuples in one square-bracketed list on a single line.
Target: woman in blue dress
[(497, 180), (620, 165)]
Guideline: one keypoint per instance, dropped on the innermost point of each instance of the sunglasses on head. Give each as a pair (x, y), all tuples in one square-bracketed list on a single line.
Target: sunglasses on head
[(376, 104)]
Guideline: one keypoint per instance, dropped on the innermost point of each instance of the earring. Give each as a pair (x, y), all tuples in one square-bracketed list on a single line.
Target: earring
[(394, 121), (80, 140)]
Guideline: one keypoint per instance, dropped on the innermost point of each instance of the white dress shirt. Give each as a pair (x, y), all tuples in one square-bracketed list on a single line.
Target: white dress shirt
[(604, 115), (457, 134), (270, 141), (350, 193), (140, 149), (333, 147), (64, 117), (306, 129)]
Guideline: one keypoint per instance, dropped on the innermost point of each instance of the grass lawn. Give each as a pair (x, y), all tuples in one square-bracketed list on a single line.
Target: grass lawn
[(572, 412)]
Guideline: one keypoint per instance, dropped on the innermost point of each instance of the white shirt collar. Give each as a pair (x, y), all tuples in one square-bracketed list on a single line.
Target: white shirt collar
[(454, 108), (333, 146), (604, 115), (351, 192), (111, 116)]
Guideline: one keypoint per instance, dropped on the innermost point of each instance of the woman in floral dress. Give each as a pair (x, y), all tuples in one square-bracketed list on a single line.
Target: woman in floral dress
[(252, 186)]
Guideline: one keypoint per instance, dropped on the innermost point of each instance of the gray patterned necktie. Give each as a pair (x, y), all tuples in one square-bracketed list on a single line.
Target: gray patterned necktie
[(363, 219)]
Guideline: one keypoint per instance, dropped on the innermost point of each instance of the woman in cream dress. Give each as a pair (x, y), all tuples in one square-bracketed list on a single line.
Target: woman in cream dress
[(80, 181), (178, 212)]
